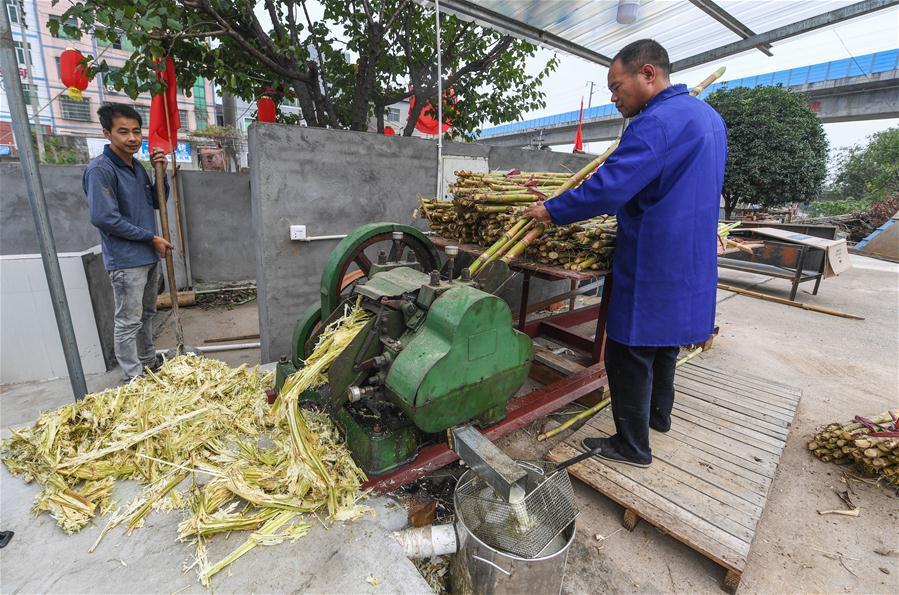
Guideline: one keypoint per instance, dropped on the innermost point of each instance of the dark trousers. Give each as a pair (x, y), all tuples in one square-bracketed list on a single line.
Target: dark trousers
[(641, 380)]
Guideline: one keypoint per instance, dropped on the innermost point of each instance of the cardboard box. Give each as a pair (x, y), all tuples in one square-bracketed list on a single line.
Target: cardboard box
[(836, 252)]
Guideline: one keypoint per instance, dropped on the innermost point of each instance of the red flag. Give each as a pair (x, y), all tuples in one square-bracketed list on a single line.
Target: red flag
[(579, 137), (165, 139)]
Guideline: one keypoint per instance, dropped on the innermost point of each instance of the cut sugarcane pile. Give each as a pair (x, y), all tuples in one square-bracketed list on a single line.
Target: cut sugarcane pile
[(872, 445), (250, 468), (485, 206)]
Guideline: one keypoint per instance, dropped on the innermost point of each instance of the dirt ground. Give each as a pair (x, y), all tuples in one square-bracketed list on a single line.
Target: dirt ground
[(843, 367)]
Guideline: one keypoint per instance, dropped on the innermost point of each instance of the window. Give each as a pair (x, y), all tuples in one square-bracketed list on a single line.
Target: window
[(393, 114), (199, 93), (20, 53), (144, 111), (75, 110), (182, 115), (28, 90), (219, 117), (121, 43), (12, 9), (60, 33), (202, 118)]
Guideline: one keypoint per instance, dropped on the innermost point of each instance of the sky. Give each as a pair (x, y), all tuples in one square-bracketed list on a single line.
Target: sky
[(875, 32), (570, 81)]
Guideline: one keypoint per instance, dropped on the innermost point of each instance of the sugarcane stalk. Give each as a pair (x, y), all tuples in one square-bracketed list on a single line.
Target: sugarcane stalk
[(574, 419), (688, 357), (485, 256), (522, 244)]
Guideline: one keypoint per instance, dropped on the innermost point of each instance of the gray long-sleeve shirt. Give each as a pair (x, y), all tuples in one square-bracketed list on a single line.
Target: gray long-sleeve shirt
[(122, 200)]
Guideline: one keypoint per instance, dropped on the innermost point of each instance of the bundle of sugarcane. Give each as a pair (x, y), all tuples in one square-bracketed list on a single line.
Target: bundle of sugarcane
[(585, 246), (197, 418), (872, 445), (520, 244)]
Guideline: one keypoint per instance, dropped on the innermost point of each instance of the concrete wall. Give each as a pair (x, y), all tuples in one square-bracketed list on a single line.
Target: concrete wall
[(216, 207), (69, 216), (334, 181), (220, 232)]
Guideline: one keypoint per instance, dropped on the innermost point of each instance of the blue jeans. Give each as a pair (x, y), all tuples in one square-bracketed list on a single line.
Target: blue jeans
[(134, 291)]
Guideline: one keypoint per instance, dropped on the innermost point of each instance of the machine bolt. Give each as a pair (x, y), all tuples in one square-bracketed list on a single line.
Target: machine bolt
[(410, 256), (282, 359), (435, 278), (382, 257)]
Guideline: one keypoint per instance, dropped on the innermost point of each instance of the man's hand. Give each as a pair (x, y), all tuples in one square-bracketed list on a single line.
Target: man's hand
[(161, 245), (537, 211), (157, 155)]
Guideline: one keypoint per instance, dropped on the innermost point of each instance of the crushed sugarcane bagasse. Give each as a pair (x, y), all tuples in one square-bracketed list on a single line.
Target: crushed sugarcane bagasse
[(200, 438)]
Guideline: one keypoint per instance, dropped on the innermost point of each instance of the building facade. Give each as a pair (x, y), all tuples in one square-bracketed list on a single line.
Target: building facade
[(62, 115)]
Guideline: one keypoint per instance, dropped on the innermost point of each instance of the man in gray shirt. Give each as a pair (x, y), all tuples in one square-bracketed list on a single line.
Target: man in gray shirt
[(122, 200)]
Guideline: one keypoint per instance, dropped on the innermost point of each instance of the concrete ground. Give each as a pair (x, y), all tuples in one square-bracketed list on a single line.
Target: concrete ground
[(346, 558), (844, 368)]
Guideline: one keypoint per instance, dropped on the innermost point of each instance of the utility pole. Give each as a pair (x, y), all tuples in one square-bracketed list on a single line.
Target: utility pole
[(35, 189), (32, 88), (590, 99)]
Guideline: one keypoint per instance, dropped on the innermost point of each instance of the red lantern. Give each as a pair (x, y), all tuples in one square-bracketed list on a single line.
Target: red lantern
[(265, 109), (389, 131), (73, 73)]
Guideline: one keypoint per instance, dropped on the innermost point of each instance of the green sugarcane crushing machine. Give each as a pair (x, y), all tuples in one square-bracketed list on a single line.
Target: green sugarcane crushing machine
[(435, 353)]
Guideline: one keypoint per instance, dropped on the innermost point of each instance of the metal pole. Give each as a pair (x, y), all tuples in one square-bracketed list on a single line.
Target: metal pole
[(35, 188), (439, 106), (32, 88)]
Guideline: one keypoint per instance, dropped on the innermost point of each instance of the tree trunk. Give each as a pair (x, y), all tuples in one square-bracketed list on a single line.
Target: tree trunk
[(307, 105), (730, 202), (414, 114), (379, 117), (364, 78)]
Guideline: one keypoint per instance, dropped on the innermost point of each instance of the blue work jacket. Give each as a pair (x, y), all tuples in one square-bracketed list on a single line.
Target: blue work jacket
[(122, 200), (663, 183)]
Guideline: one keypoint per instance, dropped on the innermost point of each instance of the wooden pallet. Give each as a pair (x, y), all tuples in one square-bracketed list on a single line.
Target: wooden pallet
[(711, 473)]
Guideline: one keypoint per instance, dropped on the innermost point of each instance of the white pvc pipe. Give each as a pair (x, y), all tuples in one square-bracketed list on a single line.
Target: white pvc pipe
[(426, 542), (214, 348)]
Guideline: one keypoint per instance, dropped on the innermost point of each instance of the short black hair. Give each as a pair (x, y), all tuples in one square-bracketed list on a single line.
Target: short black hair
[(644, 51), (110, 110)]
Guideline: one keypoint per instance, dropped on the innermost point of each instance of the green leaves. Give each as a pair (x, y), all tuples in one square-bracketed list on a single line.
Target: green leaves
[(777, 149), (318, 62), (871, 171)]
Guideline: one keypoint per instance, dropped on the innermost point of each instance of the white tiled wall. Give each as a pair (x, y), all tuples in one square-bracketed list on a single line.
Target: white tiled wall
[(30, 348)]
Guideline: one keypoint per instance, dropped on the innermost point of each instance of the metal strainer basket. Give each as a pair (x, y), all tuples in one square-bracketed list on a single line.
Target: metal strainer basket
[(523, 529)]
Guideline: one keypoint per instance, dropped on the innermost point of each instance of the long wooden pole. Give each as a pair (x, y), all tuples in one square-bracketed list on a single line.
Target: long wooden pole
[(164, 222), (169, 261), (786, 302)]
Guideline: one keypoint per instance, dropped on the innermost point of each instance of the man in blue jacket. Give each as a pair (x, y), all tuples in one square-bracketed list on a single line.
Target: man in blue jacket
[(663, 183), (122, 200)]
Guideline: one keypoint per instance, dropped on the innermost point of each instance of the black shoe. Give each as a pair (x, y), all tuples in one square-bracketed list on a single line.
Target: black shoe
[(608, 452), (154, 365), (658, 423)]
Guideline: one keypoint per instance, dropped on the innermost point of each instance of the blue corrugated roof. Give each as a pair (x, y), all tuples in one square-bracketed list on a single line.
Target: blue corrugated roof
[(804, 75)]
